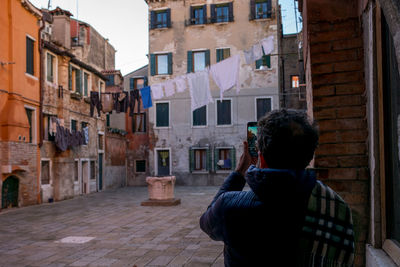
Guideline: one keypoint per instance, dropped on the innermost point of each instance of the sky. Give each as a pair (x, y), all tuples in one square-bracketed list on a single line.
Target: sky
[(125, 24)]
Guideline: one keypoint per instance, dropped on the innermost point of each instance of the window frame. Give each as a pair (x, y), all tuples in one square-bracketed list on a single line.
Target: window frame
[(55, 68), (153, 18), (134, 80), (264, 69), (135, 165), (216, 112), (46, 127), (169, 114), (199, 126), (156, 63), (76, 124), (90, 170), (255, 104), (89, 83), (73, 79), (233, 161), (219, 5), (206, 163), (50, 167), (134, 123), (268, 13), (222, 49), (194, 62), (156, 159), (33, 130), (291, 81), (193, 19), (100, 149)]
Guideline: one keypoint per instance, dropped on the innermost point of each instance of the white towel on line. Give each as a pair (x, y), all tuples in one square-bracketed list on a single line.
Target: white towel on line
[(169, 88), (268, 44), (157, 91), (226, 74), (199, 87), (181, 84)]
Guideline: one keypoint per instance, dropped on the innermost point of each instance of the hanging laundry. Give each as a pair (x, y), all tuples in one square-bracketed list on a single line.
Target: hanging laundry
[(107, 102), (61, 140), (95, 102), (53, 126), (86, 134), (226, 74), (120, 102), (146, 97), (157, 91), (134, 97), (268, 44), (180, 83), (199, 87), (169, 88), (248, 56), (257, 51)]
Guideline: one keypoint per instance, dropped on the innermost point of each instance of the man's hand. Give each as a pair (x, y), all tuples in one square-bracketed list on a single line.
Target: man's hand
[(245, 160)]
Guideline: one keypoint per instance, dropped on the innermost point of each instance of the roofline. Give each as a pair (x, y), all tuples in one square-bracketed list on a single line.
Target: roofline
[(147, 65), (30, 7)]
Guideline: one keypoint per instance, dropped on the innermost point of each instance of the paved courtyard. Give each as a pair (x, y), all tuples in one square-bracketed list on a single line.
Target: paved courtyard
[(110, 229)]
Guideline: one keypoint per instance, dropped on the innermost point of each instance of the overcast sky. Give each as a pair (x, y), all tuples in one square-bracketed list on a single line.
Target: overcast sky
[(125, 24)]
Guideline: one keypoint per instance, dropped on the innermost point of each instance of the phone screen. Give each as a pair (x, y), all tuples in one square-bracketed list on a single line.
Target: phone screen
[(252, 138)]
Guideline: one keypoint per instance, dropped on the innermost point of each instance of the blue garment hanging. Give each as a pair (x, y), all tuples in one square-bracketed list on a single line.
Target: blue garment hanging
[(145, 92)]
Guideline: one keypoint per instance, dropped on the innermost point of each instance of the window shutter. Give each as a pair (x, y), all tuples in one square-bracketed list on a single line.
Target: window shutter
[(145, 81), (70, 77), (78, 82), (152, 64), (269, 8), (268, 61), (213, 13), (170, 63), (252, 9), (258, 63), (169, 18), (219, 57), (207, 57), (205, 14), (189, 62), (152, 19), (231, 11), (191, 159), (209, 160), (131, 83), (191, 16), (233, 158), (216, 151)]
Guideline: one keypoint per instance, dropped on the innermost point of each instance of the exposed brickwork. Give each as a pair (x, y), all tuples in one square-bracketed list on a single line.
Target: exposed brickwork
[(339, 108)]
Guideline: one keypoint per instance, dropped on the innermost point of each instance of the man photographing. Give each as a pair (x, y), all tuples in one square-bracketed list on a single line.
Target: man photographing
[(288, 218)]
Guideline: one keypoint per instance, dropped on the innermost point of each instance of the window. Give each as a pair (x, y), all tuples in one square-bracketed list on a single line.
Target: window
[(29, 114), (222, 12), (198, 60), (199, 159), (200, 116), (263, 106), (45, 172), (50, 67), (224, 112), (264, 63), (110, 80), (75, 79), (224, 159), (260, 9), (140, 166), (162, 114), (49, 127), (76, 171), (139, 122), (86, 84), (198, 15), (160, 19), (136, 83), (108, 120), (161, 64), (223, 53), (295, 81), (84, 125), (92, 170), (73, 125), (30, 44)]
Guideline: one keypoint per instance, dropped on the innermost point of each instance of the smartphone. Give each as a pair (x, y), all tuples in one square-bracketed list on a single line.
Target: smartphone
[(252, 138)]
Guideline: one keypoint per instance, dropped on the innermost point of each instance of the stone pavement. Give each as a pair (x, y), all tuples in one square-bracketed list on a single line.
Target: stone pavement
[(124, 233)]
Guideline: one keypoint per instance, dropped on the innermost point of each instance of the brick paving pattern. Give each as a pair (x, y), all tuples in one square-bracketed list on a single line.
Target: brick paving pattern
[(124, 233)]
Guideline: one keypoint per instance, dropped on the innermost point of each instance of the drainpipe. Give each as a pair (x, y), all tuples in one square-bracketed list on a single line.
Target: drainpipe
[(41, 78)]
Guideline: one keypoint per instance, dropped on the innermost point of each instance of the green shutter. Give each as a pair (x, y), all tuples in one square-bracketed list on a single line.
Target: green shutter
[(152, 64), (233, 158), (252, 9), (258, 63), (70, 77), (191, 159), (78, 82), (230, 11), (152, 19), (219, 56), (268, 61), (216, 150), (169, 18), (170, 63), (213, 13), (189, 62), (208, 57), (209, 160)]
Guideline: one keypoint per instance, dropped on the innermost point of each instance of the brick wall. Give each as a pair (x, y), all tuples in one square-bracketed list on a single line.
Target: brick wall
[(336, 67)]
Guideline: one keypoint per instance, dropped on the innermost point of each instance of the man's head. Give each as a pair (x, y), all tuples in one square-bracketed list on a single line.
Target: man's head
[(287, 139)]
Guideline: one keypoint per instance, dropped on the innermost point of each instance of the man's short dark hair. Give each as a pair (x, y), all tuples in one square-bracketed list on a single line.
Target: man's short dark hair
[(287, 139)]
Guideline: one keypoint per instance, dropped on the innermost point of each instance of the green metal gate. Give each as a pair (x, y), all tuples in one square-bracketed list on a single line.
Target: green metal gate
[(9, 193)]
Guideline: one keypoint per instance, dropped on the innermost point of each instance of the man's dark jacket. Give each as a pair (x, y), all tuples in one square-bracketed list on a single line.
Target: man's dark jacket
[(260, 227)]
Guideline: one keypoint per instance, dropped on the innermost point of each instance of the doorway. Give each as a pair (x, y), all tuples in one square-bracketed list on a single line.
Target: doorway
[(100, 171), (163, 162), (9, 192)]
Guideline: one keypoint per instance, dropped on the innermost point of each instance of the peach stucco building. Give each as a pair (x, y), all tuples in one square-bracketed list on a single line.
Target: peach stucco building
[(19, 103)]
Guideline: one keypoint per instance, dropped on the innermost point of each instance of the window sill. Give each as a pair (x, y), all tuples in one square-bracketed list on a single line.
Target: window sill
[(160, 29), (261, 19), (197, 25), (223, 171), (378, 258), (140, 173), (31, 76), (263, 70), (224, 125), (222, 23), (162, 76), (76, 96), (199, 127), (200, 172), (162, 128)]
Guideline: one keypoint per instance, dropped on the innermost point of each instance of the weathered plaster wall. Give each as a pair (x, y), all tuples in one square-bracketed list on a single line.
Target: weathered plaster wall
[(238, 36), (115, 161)]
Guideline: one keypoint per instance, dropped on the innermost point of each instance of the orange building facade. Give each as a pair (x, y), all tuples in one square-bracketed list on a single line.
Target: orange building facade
[(20, 78)]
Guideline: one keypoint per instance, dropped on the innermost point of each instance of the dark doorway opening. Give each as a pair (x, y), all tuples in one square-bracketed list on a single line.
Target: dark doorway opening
[(9, 192)]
